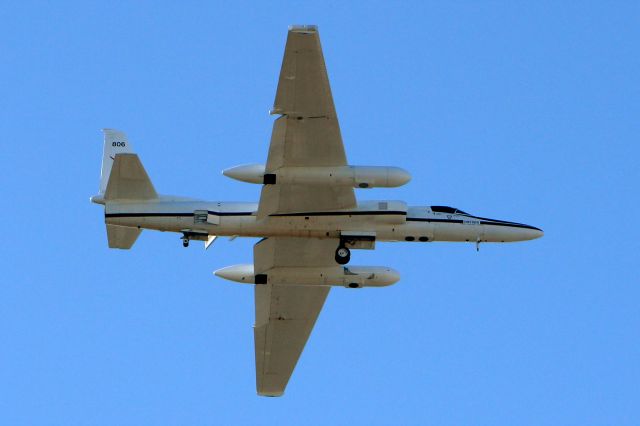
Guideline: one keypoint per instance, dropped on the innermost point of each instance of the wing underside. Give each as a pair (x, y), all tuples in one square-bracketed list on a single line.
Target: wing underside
[(285, 314), (307, 134)]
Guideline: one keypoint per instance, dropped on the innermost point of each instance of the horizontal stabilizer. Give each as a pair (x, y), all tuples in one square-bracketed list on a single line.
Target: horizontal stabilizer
[(129, 180), (122, 237)]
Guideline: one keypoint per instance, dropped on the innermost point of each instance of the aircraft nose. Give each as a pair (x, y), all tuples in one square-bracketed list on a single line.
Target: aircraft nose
[(533, 233)]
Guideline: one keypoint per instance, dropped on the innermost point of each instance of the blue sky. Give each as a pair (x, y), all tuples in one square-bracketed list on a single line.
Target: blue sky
[(514, 110)]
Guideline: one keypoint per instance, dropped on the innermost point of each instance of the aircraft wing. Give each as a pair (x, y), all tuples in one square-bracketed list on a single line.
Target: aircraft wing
[(307, 133), (285, 314)]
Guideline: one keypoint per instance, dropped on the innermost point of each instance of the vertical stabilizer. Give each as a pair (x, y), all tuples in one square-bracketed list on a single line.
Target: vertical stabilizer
[(115, 142), (128, 180), (123, 178)]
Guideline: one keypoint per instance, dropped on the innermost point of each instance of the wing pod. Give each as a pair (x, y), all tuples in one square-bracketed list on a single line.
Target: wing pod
[(250, 173), (354, 176), (352, 277)]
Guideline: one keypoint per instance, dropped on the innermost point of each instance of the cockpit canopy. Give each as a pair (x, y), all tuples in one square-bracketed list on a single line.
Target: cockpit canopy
[(446, 209)]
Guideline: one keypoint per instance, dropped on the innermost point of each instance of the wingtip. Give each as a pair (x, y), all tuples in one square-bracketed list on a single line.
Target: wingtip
[(271, 394), (305, 29)]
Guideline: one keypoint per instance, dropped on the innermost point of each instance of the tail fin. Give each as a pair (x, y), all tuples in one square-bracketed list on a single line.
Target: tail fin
[(123, 178), (115, 142), (128, 180)]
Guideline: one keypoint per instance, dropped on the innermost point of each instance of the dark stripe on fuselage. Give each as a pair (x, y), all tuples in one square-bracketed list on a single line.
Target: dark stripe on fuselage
[(424, 219), (351, 213), (497, 221), (514, 225), (176, 214), (486, 221), (483, 221)]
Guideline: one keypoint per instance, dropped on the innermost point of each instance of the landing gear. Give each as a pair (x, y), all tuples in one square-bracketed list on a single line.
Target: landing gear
[(343, 255), (185, 241)]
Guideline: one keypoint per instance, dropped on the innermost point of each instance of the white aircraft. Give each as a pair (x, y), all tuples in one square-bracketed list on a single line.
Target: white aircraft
[(307, 216)]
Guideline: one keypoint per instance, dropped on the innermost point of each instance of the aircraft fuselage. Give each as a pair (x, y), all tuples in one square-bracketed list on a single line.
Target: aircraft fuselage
[(382, 220)]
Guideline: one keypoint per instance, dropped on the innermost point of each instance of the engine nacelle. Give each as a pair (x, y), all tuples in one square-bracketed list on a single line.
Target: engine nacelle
[(352, 276), (354, 176)]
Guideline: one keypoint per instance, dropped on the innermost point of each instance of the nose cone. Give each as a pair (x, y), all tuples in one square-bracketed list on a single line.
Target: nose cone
[(537, 233), (389, 276), (530, 233), (237, 273), (398, 176), (503, 231)]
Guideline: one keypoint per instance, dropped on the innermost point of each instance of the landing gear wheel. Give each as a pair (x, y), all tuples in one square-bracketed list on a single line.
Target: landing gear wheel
[(343, 255), (185, 242)]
